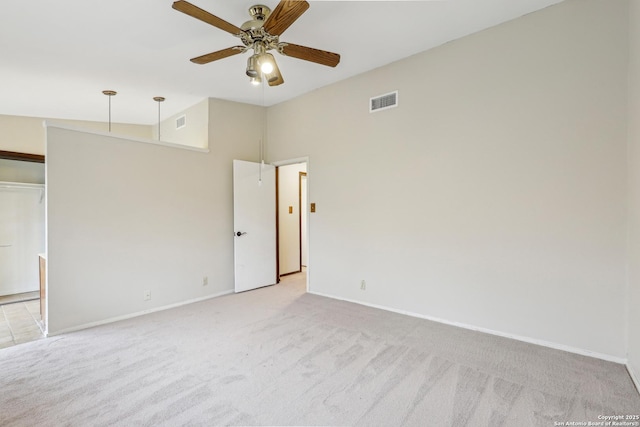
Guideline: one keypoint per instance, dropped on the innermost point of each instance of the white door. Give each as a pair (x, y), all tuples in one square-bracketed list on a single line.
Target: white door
[(254, 221)]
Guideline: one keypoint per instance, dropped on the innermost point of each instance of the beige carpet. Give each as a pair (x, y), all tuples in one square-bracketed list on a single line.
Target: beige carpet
[(277, 356)]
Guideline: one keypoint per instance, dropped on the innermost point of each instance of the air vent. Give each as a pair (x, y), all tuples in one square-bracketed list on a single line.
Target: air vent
[(181, 122), (383, 102)]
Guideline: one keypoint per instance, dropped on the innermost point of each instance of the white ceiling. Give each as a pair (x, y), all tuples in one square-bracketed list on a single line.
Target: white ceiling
[(56, 57)]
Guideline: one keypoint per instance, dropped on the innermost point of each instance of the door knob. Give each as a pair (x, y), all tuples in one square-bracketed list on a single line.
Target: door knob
[(240, 233)]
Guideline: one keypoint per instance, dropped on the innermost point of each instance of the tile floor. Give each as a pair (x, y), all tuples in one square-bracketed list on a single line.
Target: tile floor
[(26, 296), (19, 323)]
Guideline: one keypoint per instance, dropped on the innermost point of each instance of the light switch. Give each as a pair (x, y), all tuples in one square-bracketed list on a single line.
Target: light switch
[(290, 209), (313, 207)]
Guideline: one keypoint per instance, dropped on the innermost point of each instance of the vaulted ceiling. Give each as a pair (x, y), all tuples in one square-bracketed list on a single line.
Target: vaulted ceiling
[(56, 57)]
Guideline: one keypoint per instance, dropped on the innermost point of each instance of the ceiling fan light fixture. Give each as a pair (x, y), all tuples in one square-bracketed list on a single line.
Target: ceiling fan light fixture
[(256, 80), (274, 78), (253, 67), (267, 63)]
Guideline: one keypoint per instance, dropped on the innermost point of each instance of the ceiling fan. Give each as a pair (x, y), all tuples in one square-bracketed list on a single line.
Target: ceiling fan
[(262, 34)]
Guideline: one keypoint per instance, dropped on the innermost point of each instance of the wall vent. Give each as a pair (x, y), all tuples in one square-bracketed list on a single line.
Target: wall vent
[(383, 102), (181, 122)]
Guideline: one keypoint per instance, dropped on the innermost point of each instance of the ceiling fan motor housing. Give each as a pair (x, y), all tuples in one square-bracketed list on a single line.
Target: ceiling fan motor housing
[(259, 13)]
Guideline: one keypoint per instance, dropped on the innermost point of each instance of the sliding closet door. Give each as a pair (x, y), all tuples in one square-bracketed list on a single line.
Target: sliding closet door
[(22, 237)]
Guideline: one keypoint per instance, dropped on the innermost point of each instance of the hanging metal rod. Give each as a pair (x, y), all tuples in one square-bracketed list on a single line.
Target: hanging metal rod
[(158, 99), (110, 93)]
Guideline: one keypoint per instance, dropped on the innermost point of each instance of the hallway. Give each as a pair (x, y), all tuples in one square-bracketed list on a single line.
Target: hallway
[(20, 323)]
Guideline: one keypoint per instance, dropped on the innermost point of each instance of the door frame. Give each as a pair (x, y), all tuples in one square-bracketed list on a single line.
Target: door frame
[(44, 291), (287, 162), (300, 212)]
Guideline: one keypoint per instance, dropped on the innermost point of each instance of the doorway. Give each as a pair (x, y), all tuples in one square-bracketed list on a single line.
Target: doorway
[(22, 244), (292, 218)]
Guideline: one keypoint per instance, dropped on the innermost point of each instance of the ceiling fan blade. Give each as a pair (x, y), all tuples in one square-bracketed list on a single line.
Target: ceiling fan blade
[(322, 57), (203, 15), (285, 14), (214, 56)]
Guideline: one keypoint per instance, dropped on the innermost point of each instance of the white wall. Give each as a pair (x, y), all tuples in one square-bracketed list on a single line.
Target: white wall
[(27, 134), (21, 134), (20, 171), (494, 195), (195, 133), (124, 217), (289, 223), (633, 328)]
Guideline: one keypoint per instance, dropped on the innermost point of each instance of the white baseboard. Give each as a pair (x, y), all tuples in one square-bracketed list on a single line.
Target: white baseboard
[(529, 340), (136, 314), (635, 378)]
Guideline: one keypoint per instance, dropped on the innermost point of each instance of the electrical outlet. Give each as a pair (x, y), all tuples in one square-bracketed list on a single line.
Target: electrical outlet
[(205, 281), (147, 295), (363, 285)]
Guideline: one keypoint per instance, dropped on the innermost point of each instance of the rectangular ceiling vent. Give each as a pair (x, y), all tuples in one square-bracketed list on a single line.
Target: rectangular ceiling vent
[(383, 102), (181, 121)]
